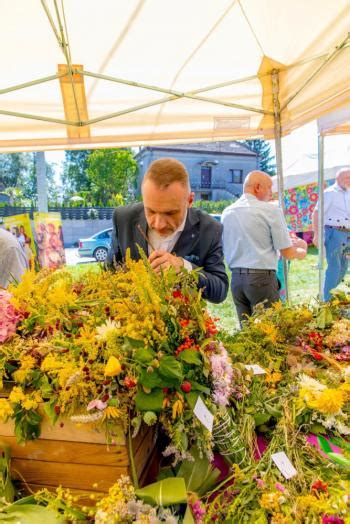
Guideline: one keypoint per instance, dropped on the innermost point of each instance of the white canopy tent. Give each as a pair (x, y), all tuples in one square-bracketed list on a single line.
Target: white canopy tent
[(87, 74), (84, 74)]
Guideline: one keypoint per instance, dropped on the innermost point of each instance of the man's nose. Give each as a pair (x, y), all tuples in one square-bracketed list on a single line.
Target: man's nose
[(158, 222)]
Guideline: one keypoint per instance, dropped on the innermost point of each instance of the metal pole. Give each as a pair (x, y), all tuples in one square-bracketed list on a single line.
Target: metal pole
[(320, 264), (40, 165), (278, 147)]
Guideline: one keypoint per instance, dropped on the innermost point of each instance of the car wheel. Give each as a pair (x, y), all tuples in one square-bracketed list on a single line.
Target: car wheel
[(100, 254)]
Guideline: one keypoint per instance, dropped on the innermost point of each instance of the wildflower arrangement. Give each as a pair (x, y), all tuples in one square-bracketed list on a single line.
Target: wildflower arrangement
[(108, 349)]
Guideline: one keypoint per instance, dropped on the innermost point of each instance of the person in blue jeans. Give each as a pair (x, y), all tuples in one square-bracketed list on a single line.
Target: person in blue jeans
[(337, 230)]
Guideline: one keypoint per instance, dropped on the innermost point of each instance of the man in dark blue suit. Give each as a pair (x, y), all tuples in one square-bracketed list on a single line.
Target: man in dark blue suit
[(170, 231)]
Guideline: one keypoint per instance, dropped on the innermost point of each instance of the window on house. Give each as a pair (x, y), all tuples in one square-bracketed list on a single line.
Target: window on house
[(205, 176), (236, 176)]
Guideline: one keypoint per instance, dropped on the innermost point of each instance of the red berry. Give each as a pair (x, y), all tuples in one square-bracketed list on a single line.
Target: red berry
[(186, 386), (57, 409)]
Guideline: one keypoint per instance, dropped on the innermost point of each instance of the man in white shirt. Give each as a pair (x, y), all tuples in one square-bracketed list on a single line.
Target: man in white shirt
[(336, 229), (13, 262), (170, 230), (254, 232)]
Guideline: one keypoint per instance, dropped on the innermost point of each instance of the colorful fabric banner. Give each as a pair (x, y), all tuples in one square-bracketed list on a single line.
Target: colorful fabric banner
[(300, 202), (49, 239), (20, 227)]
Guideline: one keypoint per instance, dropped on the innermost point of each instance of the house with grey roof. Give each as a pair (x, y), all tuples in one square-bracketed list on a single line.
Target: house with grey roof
[(217, 170)]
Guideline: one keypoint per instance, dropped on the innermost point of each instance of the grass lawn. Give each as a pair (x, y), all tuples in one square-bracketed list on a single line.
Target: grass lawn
[(303, 286)]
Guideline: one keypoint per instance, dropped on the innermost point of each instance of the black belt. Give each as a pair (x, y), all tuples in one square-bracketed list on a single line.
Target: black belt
[(250, 270), (340, 228)]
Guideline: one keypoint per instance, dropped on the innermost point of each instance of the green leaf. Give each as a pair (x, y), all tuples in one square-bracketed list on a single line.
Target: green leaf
[(199, 387), (318, 429), (164, 493), (199, 475), (49, 408), (192, 398), (261, 418), (151, 380), (190, 356), (144, 355), (149, 401), (188, 518), (29, 514), (324, 445), (340, 459), (171, 368)]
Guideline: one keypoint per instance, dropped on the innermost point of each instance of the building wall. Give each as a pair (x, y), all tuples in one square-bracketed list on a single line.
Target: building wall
[(222, 187)]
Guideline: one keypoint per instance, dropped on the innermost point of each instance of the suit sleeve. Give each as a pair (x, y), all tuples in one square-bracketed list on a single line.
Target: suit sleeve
[(114, 255), (213, 277)]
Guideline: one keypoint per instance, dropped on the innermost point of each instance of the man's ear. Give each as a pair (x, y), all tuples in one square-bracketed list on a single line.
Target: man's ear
[(191, 198)]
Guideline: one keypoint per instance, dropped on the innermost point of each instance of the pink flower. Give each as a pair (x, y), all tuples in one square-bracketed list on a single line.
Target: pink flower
[(9, 317), (280, 487), (222, 374), (96, 404), (332, 519)]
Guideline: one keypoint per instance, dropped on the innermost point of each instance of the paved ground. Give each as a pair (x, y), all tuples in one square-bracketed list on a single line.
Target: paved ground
[(73, 258)]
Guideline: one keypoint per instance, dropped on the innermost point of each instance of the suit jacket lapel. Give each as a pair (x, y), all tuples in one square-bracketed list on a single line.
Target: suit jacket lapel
[(138, 238), (189, 238)]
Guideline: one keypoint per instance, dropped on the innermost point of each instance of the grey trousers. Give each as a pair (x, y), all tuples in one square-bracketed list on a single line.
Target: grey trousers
[(250, 289)]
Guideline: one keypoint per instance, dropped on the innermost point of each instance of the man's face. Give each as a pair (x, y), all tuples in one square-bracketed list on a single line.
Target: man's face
[(344, 180), (165, 209)]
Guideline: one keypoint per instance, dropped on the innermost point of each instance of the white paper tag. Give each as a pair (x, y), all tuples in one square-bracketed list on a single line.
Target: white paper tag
[(256, 369), (284, 464), (203, 414)]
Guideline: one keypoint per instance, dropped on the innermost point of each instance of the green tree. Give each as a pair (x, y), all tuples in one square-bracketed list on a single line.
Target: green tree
[(263, 150), (74, 176), (29, 184), (111, 171), (13, 167)]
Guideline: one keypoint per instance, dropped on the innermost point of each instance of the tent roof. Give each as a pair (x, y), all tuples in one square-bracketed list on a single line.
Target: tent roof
[(335, 123), (81, 73)]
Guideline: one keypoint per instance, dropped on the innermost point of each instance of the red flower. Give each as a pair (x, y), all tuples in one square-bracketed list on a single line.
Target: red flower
[(130, 382), (316, 354), (318, 485), (186, 386)]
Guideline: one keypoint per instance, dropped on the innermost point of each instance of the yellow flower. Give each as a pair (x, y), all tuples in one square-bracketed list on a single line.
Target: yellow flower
[(270, 501), (113, 367), (51, 363), (328, 401), (274, 377), (6, 410), (29, 403), (111, 412), (20, 375), (178, 408), (16, 395)]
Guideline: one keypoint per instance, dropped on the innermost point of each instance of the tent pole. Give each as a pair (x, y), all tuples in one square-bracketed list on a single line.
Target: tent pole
[(40, 165), (278, 148), (320, 264)]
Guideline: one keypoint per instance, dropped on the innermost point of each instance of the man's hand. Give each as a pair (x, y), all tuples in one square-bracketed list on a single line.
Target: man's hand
[(161, 260), (299, 242)]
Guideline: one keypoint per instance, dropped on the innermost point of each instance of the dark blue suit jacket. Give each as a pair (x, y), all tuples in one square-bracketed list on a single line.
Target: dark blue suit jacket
[(200, 243)]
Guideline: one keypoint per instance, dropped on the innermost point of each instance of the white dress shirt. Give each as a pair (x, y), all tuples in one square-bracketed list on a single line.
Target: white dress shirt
[(336, 206), (167, 243), (13, 261), (254, 232)]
